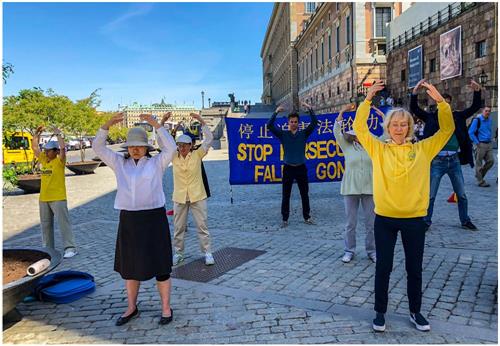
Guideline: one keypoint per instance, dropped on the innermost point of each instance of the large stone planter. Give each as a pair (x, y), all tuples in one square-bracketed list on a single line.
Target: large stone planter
[(14, 292), (30, 183), (85, 167)]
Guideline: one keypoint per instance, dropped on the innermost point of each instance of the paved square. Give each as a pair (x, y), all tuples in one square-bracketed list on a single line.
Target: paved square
[(298, 291)]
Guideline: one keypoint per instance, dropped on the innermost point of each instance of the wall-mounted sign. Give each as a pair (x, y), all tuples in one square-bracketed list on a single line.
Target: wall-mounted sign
[(416, 66), (450, 53)]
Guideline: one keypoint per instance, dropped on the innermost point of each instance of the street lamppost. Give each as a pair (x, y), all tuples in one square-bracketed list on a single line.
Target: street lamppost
[(483, 78), (202, 99)]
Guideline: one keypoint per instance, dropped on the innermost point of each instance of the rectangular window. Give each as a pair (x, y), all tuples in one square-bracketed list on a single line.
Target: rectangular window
[(382, 17), (348, 30), (322, 53), (348, 86), (311, 61), (338, 39), (432, 65), (403, 75), (337, 6), (338, 90), (310, 7), (329, 46), (316, 56), (480, 49)]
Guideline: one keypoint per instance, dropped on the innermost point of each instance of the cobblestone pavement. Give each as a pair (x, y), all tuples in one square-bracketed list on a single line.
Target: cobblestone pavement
[(299, 291)]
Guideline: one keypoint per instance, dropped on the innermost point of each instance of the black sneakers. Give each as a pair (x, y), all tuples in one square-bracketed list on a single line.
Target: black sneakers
[(469, 225), (420, 322), (379, 323)]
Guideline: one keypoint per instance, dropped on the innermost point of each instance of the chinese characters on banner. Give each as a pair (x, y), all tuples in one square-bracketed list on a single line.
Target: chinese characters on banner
[(256, 156)]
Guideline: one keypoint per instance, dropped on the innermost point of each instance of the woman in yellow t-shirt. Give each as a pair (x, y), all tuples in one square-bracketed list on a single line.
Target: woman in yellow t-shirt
[(401, 183), (52, 200)]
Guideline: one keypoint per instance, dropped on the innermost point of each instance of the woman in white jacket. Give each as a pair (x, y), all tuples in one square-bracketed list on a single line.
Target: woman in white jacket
[(356, 187), (143, 245)]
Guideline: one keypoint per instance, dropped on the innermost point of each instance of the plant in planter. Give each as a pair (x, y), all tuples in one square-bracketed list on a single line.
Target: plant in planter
[(82, 121)]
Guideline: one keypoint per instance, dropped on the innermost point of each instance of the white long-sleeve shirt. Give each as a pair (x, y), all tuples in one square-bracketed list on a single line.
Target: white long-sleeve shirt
[(139, 186)]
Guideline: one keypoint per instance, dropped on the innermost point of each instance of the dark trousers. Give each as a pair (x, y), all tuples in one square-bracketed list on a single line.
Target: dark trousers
[(413, 237), (298, 173)]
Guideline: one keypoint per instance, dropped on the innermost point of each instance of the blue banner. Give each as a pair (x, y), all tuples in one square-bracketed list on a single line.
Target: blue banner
[(256, 156)]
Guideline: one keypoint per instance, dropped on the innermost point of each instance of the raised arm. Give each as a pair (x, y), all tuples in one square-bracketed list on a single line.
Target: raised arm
[(314, 120), (62, 145), (414, 107), (35, 141), (360, 126), (272, 127), (107, 155), (476, 102), (338, 122), (208, 137), (436, 142), (165, 117), (165, 141)]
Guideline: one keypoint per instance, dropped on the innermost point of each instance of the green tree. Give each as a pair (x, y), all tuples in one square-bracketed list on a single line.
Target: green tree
[(82, 119)]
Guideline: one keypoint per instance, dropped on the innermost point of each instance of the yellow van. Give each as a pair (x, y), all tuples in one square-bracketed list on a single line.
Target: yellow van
[(16, 147)]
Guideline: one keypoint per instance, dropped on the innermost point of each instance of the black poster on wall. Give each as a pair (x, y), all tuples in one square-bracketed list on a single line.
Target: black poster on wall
[(416, 64)]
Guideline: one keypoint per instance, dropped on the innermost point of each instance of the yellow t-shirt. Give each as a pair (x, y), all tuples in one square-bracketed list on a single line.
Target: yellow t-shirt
[(53, 186)]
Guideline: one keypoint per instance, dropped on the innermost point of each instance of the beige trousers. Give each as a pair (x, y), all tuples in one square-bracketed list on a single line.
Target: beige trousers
[(199, 212)]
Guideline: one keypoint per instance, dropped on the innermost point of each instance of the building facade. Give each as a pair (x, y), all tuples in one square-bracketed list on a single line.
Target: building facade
[(179, 113), (280, 85), (341, 50), (421, 25)]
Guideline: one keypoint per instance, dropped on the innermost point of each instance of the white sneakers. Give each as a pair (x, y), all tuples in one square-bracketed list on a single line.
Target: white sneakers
[(179, 258), (70, 252), (347, 257), (209, 259)]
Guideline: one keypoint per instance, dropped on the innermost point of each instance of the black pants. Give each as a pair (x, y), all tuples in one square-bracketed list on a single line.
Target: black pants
[(413, 237), (298, 173)]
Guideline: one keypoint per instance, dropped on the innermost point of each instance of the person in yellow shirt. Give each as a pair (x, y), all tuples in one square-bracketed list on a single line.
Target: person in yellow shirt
[(189, 192), (401, 183), (52, 200)]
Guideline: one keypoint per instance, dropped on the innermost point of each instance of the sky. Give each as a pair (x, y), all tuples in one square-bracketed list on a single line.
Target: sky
[(137, 52)]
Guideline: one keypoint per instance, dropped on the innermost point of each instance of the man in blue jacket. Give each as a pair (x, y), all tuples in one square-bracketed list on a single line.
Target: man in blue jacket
[(294, 146), (480, 134), (457, 152)]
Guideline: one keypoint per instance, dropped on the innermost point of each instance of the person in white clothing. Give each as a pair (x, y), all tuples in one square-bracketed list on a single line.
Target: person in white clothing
[(190, 193), (143, 245), (356, 187)]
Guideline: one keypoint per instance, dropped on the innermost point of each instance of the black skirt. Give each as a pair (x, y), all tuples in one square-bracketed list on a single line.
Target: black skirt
[(143, 245)]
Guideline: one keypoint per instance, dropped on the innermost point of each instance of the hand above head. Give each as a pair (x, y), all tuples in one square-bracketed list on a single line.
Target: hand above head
[(195, 116), (433, 92), (306, 105), (148, 118), (474, 85), (115, 119), (348, 107), (165, 117), (39, 130), (419, 84), (55, 130), (374, 89), (280, 109)]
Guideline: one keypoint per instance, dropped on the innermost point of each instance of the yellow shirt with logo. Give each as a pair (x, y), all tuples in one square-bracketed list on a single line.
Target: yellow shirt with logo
[(53, 186), (188, 182), (401, 173)]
